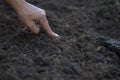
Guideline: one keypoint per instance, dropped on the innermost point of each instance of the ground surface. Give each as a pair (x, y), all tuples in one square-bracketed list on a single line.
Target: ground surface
[(77, 56)]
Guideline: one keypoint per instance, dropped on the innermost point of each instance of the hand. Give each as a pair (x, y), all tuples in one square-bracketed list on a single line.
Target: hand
[(29, 14)]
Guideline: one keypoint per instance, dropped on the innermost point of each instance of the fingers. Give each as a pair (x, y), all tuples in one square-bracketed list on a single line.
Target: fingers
[(33, 27), (45, 25)]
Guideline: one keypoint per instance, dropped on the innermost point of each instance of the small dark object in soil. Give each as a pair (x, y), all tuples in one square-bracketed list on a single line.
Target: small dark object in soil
[(111, 44)]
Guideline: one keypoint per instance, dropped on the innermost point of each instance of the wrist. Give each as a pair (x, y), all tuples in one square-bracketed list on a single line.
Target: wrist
[(16, 4)]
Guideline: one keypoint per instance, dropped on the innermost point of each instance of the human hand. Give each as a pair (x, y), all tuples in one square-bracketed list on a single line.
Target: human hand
[(29, 14)]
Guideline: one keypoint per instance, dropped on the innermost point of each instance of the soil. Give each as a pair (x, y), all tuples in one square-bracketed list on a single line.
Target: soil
[(76, 56)]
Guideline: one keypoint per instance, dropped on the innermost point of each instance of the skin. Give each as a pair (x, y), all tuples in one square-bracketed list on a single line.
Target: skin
[(29, 14)]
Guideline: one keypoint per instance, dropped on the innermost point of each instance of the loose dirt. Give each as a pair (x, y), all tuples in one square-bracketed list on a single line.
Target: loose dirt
[(76, 56)]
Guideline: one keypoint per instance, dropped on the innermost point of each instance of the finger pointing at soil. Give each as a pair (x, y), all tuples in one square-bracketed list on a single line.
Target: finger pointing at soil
[(45, 25)]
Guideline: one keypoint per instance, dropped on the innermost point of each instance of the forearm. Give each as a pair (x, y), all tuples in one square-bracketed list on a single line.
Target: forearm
[(16, 4)]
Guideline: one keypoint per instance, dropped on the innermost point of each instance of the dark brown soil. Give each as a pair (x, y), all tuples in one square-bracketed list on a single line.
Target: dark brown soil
[(76, 56)]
